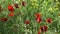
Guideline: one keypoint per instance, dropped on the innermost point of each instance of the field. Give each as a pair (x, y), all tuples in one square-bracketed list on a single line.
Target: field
[(29, 16)]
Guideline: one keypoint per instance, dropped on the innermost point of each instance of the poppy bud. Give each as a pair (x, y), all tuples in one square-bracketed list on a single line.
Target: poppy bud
[(16, 5), (23, 3)]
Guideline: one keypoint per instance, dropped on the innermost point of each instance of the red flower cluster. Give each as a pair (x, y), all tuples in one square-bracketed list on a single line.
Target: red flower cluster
[(42, 28), (38, 17), (10, 8)]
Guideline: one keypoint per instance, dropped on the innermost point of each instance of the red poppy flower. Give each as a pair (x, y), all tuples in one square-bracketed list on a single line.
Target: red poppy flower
[(38, 19), (38, 32), (49, 20), (10, 8), (43, 28), (27, 21), (23, 3), (11, 14), (3, 19), (16, 5), (38, 15)]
